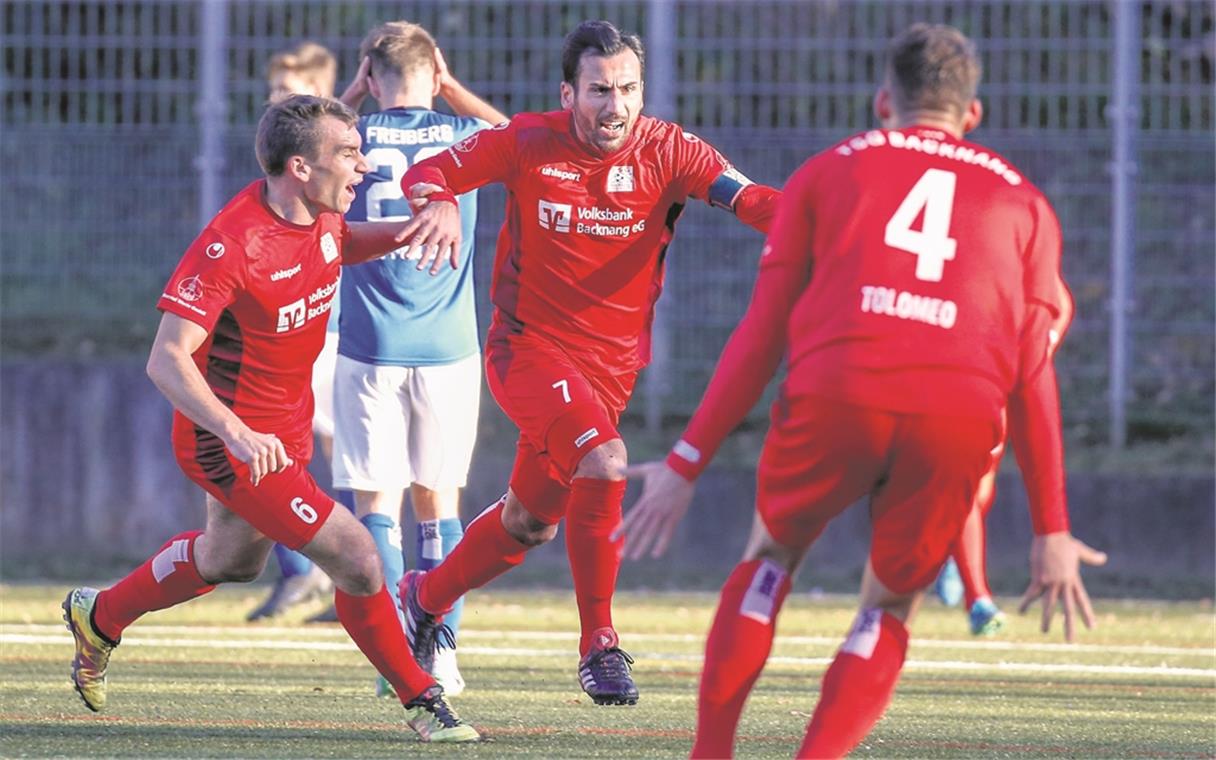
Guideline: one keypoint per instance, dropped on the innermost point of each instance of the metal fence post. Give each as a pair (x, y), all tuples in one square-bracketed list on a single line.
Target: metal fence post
[(1124, 116), (211, 108), (660, 102)]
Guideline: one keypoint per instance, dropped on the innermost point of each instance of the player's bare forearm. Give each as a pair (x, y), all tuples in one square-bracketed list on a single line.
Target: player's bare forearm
[(371, 240), (172, 369)]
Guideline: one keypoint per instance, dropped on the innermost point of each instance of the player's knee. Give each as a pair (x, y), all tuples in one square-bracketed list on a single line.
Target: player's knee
[(361, 575), (236, 570), (525, 527), (604, 462)]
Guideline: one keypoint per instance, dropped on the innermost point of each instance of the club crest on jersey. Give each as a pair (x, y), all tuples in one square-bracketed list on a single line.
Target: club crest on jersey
[(215, 250), (190, 289), (620, 179), (554, 216), (329, 248)]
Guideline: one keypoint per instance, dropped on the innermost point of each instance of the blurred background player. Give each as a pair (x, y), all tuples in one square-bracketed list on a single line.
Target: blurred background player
[(965, 576), (911, 281), (594, 193), (306, 69), (408, 381), (243, 320)]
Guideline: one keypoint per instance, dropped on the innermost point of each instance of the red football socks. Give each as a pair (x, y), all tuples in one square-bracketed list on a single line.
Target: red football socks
[(592, 513), (373, 624), (738, 645), (858, 685), (486, 552), (169, 577)]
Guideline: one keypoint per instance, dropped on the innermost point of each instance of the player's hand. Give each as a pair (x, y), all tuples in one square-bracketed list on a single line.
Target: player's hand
[(441, 70), (1055, 575), (418, 199), (434, 232), (1089, 555), (358, 88), (263, 452), (652, 521)]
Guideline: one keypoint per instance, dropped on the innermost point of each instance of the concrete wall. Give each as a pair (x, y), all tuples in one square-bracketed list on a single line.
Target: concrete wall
[(88, 485)]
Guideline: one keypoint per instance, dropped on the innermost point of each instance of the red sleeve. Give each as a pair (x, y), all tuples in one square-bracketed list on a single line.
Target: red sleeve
[(754, 350), (479, 159), (206, 280), (708, 176), (1034, 406), (1035, 430)]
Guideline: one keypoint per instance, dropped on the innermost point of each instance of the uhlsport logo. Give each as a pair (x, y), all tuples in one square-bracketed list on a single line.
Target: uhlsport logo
[(292, 315), (467, 144), (190, 289), (554, 216), (215, 250), (558, 173)]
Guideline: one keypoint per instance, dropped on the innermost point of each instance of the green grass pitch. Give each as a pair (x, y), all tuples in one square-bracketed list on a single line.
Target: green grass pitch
[(196, 681)]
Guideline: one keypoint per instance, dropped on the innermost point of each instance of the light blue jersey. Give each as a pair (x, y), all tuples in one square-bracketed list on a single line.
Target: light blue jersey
[(392, 313)]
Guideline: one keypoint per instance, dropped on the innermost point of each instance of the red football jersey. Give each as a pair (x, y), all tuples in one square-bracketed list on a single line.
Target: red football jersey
[(580, 255), (262, 288), (899, 275)]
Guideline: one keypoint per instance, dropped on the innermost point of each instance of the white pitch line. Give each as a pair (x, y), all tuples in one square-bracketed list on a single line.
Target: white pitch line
[(1006, 667), (689, 638)]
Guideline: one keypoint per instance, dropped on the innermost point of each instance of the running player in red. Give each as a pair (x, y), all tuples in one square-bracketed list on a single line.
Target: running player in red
[(910, 282), (595, 190), (244, 318)]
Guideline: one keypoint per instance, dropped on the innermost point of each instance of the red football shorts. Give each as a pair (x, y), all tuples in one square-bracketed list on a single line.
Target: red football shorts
[(920, 472), (287, 506), (562, 412)]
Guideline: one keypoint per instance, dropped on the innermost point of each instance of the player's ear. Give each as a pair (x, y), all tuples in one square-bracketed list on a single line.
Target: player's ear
[(567, 94), (883, 110), (973, 115), (298, 167)]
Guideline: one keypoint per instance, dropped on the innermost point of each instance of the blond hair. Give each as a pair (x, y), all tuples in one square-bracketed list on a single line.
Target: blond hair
[(308, 60), (932, 67), (398, 48)]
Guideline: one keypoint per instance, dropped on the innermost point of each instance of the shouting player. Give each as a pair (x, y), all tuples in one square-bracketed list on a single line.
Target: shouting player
[(244, 317), (911, 280), (594, 193)]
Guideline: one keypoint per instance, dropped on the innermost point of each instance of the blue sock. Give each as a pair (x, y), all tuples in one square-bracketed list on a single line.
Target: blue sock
[(291, 563), (435, 540), (387, 535)]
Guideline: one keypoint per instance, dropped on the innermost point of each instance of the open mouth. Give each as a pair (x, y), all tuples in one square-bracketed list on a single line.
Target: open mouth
[(612, 128)]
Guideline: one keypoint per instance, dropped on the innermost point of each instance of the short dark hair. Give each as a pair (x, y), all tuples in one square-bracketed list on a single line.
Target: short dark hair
[(932, 67), (601, 38), (291, 127)]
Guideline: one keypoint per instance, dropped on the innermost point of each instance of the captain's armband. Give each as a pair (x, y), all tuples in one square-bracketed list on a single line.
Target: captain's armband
[(724, 190)]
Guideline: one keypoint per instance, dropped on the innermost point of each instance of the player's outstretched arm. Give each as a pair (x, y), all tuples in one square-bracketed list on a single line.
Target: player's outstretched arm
[(1055, 576), (370, 240), (462, 100), (172, 369)]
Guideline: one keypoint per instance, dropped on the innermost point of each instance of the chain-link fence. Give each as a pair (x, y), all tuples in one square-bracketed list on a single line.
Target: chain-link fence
[(106, 115)]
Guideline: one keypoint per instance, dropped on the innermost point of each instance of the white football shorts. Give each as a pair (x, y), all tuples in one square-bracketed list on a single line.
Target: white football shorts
[(401, 425), (323, 386)]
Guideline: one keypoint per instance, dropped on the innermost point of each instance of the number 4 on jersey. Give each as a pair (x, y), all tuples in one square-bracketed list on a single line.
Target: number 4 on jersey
[(932, 245)]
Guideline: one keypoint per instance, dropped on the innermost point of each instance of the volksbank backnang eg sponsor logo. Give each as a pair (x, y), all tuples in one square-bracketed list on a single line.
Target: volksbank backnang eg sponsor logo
[(297, 313), (592, 220)]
